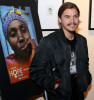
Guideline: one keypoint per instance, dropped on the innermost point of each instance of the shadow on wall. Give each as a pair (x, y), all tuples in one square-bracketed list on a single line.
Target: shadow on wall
[(91, 32), (77, 30)]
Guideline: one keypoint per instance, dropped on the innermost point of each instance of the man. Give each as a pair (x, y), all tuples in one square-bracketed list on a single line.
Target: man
[(60, 64), (17, 34)]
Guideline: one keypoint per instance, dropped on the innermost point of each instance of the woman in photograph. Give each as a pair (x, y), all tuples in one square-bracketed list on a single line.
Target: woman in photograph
[(16, 32)]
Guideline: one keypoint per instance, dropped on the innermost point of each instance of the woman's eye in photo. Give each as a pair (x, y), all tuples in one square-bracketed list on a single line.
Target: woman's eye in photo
[(23, 30), (13, 34)]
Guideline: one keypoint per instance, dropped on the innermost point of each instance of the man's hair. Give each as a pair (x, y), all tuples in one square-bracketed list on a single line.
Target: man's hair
[(67, 5)]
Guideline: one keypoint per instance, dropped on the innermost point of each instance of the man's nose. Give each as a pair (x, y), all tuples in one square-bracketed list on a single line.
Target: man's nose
[(72, 19)]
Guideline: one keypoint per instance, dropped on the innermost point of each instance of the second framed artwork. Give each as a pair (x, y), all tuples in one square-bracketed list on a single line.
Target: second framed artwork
[(48, 14)]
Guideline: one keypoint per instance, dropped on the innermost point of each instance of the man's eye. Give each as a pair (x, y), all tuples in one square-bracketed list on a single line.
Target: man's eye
[(67, 16), (76, 16)]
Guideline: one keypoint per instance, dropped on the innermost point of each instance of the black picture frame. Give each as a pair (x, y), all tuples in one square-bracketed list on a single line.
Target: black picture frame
[(26, 88), (91, 15), (50, 24)]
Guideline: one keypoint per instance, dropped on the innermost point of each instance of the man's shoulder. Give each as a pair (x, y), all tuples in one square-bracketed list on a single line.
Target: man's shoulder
[(49, 39), (80, 36), (52, 35)]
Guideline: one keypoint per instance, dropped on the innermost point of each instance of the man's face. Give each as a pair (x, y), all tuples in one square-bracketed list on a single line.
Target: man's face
[(18, 35), (69, 20)]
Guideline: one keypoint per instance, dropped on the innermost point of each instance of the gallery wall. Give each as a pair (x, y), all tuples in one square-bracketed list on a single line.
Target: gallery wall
[(83, 29)]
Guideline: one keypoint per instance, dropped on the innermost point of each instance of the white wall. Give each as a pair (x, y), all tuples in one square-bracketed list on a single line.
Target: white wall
[(83, 29)]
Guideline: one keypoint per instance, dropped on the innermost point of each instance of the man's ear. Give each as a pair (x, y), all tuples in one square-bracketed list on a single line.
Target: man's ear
[(59, 20)]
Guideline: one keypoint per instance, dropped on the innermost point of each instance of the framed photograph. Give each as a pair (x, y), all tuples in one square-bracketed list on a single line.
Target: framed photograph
[(48, 14), (20, 33), (91, 15)]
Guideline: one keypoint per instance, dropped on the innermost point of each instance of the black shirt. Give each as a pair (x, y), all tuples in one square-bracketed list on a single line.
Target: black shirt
[(73, 69)]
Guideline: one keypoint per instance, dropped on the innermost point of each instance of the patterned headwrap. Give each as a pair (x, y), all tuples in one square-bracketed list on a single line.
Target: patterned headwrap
[(15, 14)]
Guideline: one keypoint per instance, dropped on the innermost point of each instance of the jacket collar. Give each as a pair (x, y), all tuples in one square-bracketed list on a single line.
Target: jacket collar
[(62, 35)]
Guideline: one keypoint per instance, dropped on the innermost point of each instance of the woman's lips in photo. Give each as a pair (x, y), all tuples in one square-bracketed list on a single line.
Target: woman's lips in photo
[(25, 48)]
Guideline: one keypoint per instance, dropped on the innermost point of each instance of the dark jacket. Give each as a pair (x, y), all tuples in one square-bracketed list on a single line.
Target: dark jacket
[(52, 62)]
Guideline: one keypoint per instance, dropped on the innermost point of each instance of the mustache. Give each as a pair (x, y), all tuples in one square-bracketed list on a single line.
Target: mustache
[(72, 23)]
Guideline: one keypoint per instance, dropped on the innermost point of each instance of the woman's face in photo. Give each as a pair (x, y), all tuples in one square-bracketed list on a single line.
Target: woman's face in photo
[(18, 35)]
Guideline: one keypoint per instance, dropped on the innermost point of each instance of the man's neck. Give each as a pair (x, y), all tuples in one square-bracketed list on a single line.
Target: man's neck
[(69, 35)]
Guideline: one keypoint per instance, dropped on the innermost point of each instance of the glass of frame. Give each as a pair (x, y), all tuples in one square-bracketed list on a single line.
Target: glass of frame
[(48, 14), (20, 34), (91, 15)]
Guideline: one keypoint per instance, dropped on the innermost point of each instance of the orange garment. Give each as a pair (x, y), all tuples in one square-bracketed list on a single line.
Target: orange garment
[(17, 71)]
